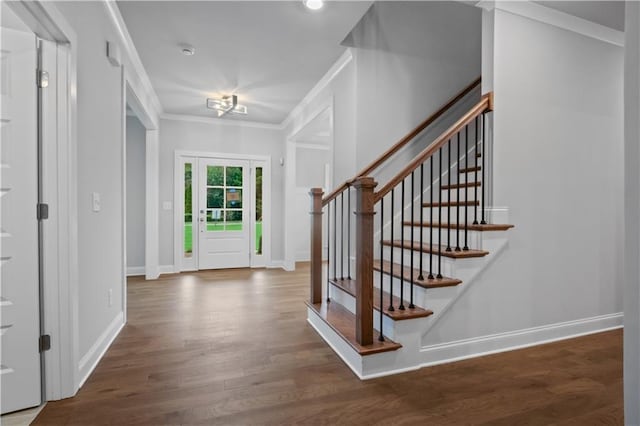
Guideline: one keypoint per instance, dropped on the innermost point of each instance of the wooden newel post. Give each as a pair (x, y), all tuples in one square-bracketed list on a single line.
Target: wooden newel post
[(364, 259), (316, 244)]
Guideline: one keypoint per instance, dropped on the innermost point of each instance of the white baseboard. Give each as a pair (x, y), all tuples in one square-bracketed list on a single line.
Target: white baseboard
[(93, 356), (519, 339), (303, 256), (167, 269), (275, 264), (134, 271)]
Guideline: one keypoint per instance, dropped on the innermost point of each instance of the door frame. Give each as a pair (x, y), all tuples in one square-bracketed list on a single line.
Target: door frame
[(178, 209), (327, 106)]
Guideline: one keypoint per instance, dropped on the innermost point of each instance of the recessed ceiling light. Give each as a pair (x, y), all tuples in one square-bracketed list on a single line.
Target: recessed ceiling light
[(314, 4), (188, 50)]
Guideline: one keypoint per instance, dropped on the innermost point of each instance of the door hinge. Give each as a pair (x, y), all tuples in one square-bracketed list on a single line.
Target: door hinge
[(43, 211), (43, 79), (44, 343)]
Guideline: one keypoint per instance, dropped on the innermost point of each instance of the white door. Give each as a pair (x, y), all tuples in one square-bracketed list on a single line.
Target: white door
[(19, 266), (224, 235)]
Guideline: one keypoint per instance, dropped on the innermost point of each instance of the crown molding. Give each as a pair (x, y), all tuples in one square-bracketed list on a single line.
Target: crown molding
[(220, 121), (335, 69), (546, 15), (150, 95)]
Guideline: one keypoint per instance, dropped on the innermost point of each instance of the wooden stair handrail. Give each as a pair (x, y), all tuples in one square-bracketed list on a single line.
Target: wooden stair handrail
[(402, 142), (485, 104)]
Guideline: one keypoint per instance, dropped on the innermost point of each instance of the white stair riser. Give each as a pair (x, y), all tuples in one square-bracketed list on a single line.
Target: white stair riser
[(447, 266), (442, 235), (434, 298)]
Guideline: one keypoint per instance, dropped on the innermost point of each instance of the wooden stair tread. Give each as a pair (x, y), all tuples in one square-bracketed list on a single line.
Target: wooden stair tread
[(349, 286), (452, 203), (470, 227), (426, 283), (343, 322), (470, 169), (425, 248), (460, 185)]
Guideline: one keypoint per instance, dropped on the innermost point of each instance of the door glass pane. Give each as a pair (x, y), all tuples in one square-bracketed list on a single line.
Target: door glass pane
[(214, 198), (215, 176), (234, 176), (234, 198), (258, 230), (188, 211), (215, 220), (233, 220)]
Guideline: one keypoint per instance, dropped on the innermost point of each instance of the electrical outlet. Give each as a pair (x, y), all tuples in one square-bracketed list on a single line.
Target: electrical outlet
[(110, 296), (95, 201)]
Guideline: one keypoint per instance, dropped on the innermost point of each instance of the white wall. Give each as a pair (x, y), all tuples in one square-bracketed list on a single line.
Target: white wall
[(209, 136), (557, 164), (99, 133), (412, 57), (631, 214), (100, 166), (135, 193)]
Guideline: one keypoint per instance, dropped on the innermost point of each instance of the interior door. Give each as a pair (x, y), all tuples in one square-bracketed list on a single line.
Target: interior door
[(19, 265), (224, 239)]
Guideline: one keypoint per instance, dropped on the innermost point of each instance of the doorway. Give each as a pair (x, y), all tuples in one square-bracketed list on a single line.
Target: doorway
[(222, 211)]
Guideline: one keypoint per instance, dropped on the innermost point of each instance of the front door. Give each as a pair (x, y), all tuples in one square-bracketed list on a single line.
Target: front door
[(19, 265), (224, 234)]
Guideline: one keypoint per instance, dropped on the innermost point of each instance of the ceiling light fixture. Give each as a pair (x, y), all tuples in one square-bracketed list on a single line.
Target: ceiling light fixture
[(314, 4), (226, 104)]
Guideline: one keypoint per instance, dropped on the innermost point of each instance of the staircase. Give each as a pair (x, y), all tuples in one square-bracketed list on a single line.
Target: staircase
[(385, 275)]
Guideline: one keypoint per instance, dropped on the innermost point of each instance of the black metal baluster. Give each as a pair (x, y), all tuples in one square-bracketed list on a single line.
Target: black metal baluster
[(466, 181), (391, 308), (475, 178), (381, 337), (421, 276), (411, 305), (458, 194), (328, 249), (448, 196), (401, 307), (484, 152), (349, 233), (431, 222), (335, 238), (342, 235), (440, 214)]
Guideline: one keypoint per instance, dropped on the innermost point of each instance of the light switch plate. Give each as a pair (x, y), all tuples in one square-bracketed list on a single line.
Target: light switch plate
[(167, 205)]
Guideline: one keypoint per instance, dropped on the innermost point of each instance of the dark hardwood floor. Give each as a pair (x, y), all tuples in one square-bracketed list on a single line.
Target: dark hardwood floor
[(233, 347)]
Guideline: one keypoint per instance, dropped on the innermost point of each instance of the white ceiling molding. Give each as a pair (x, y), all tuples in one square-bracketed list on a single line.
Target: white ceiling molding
[(220, 121), (335, 69), (143, 88), (556, 18)]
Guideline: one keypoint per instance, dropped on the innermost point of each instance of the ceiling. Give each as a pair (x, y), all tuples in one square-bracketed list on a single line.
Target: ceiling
[(269, 53), (607, 13)]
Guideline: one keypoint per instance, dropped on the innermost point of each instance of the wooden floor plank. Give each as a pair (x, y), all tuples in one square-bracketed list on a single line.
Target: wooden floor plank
[(234, 348)]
